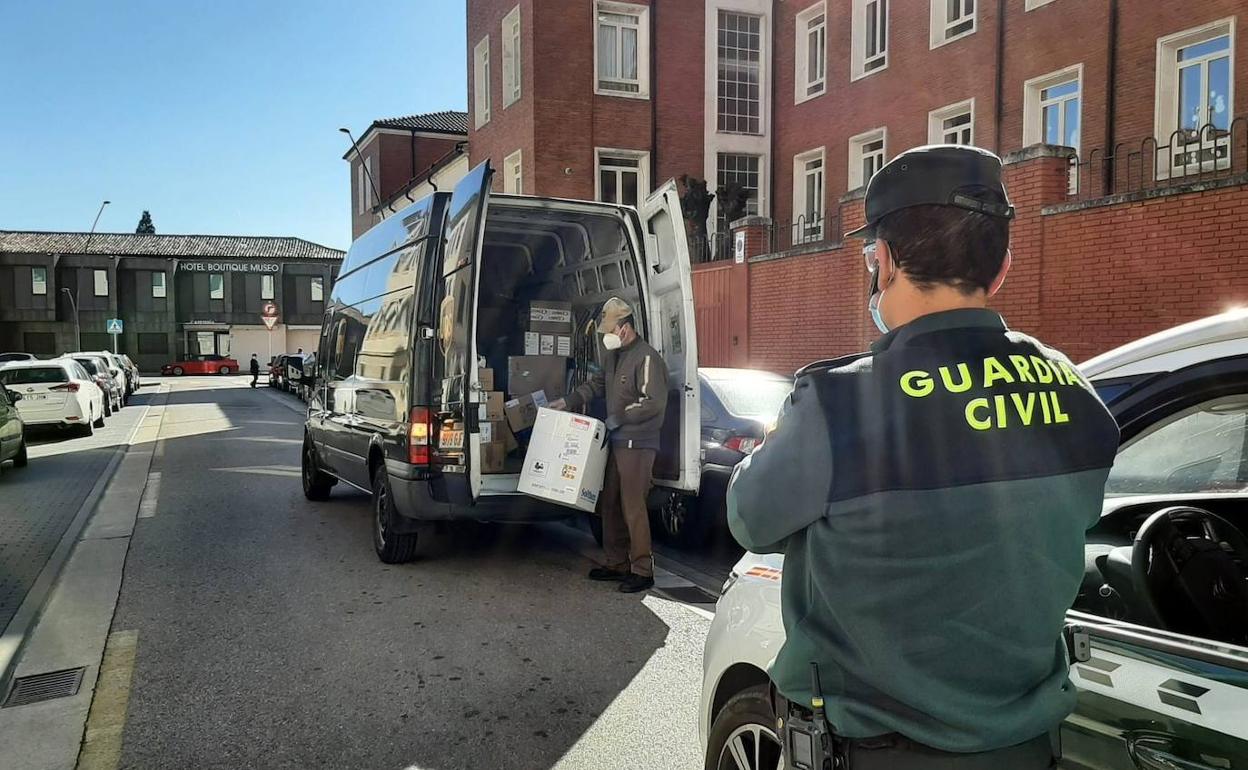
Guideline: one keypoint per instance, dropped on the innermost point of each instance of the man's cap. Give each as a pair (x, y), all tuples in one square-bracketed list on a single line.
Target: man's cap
[(614, 310), (940, 175)]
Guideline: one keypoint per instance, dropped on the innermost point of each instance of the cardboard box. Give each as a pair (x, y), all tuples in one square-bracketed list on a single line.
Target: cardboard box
[(491, 407), (509, 439), (485, 378), (522, 412), (566, 459), (549, 317), (493, 456), (529, 374)]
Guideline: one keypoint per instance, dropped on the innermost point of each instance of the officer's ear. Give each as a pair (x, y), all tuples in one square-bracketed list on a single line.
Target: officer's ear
[(1000, 279), (884, 257)]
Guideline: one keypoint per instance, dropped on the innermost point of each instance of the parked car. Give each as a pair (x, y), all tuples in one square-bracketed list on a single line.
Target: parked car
[(97, 367), (133, 380), (201, 364), (12, 429), (737, 407), (57, 392), (399, 346), (301, 386), (113, 367), (294, 372), (277, 371), (1162, 648), (6, 357)]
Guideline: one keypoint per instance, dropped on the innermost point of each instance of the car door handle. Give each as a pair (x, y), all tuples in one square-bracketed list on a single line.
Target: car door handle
[(1152, 752)]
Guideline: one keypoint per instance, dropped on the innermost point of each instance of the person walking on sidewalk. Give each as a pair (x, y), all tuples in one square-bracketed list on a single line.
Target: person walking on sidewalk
[(255, 369), (634, 380)]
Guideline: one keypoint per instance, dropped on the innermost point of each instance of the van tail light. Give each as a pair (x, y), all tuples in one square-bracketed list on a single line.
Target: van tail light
[(72, 387), (743, 444), (418, 436)]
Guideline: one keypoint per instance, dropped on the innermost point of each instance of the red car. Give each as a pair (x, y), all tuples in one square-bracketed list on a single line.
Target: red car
[(208, 364)]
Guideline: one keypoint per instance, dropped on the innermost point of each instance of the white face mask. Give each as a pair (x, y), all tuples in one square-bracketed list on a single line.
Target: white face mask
[(612, 341)]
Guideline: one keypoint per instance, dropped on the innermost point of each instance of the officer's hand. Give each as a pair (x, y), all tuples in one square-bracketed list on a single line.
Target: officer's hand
[(559, 405)]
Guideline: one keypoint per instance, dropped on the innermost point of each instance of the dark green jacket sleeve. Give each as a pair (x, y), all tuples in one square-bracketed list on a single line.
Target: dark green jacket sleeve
[(783, 486)]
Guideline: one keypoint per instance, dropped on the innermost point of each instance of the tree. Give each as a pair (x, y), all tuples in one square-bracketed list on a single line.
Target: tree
[(732, 200), (145, 225), (695, 206)]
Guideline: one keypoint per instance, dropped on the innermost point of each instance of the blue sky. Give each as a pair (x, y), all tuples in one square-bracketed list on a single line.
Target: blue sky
[(218, 116)]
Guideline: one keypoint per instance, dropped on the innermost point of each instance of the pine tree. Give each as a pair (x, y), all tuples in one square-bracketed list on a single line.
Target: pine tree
[(145, 225)]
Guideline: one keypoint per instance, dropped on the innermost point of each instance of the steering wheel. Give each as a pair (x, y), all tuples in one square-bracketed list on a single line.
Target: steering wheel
[(1203, 560)]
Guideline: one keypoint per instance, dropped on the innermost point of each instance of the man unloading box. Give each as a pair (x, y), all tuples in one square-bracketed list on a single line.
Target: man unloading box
[(634, 380)]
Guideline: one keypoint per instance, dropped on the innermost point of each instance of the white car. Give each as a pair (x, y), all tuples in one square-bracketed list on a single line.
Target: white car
[(1162, 679), (116, 370), (57, 392)]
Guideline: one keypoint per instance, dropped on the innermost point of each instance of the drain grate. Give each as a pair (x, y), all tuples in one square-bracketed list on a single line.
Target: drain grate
[(41, 687), (687, 594)]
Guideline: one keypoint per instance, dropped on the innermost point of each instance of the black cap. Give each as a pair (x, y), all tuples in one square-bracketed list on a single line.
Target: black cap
[(940, 175)]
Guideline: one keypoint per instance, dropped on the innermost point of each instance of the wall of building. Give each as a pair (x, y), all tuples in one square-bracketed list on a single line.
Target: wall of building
[(509, 128)]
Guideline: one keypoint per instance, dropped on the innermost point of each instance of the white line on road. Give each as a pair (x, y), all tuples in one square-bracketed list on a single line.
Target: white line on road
[(151, 493)]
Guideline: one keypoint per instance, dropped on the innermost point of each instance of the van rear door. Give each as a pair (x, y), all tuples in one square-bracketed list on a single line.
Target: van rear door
[(458, 440), (668, 285)]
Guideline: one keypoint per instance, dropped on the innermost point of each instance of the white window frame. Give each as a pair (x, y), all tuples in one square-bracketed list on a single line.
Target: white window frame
[(481, 82), (858, 40), (806, 86), (642, 13), (809, 229), (267, 287), (511, 57), (940, 25), (762, 73), (160, 288), (99, 280), (214, 294), (316, 288), (642, 171), (856, 145), (936, 120), (36, 285), (1032, 5), (513, 173), (1166, 117)]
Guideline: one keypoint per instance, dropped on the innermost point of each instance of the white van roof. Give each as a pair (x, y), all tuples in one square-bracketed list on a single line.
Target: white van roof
[(1209, 338)]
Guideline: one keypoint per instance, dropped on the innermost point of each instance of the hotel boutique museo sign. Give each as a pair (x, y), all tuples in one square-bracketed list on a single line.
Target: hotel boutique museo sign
[(230, 267)]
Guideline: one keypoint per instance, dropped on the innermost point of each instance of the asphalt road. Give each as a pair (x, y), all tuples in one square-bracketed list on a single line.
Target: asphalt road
[(269, 635)]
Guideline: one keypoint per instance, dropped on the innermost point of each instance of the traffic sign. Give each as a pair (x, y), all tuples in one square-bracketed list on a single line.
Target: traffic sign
[(268, 313), (113, 325), (270, 321)]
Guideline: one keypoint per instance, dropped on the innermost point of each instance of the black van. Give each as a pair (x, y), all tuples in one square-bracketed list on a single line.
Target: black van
[(425, 295)]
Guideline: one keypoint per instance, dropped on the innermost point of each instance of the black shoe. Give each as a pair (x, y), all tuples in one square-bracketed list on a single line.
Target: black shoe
[(604, 573), (634, 583)]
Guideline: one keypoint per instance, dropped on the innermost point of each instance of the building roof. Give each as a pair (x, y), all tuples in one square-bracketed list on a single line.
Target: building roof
[(447, 122), (135, 245)]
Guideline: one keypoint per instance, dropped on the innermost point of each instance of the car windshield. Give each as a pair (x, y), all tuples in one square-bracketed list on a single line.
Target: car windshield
[(32, 375), (750, 395), (89, 365), (1197, 450)]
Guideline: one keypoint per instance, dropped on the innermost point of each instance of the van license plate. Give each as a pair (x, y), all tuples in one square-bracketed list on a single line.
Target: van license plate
[(452, 439)]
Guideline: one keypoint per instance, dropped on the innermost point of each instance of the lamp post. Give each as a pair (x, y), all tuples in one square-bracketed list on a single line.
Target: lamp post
[(77, 330), (363, 165), (93, 224)]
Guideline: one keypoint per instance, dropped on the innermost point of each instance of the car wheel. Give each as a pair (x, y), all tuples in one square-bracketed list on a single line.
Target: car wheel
[(316, 483), (595, 528), (177, 371), (683, 520), (99, 421), (391, 547), (108, 408), (743, 736), (87, 428), (223, 370), (21, 460)]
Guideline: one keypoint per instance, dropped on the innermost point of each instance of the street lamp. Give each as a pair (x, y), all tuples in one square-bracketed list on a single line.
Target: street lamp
[(93, 224), (77, 330), (363, 165)]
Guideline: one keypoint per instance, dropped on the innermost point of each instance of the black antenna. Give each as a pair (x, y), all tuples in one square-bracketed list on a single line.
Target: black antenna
[(816, 691), (363, 165)]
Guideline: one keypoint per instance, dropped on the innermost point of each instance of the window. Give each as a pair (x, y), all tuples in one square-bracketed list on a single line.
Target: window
[(101, 282), (866, 156), (1195, 99), (951, 19), (954, 124), (1031, 5), (364, 185), (870, 37), (742, 170), (513, 173), (623, 176), (740, 68), (318, 289), (623, 49), (1052, 112), (216, 286), (481, 81), (808, 187), (266, 287), (153, 343), (810, 60), (39, 280), (158, 284), (511, 57)]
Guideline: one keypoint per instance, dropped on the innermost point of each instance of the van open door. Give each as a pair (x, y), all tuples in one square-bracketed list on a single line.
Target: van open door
[(458, 446), (671, 329)]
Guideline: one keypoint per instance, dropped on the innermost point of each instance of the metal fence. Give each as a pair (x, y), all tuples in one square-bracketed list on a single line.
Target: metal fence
[(806, 231)]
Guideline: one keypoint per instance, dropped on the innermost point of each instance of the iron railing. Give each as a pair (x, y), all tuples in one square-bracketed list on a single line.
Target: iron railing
[(817, 230)]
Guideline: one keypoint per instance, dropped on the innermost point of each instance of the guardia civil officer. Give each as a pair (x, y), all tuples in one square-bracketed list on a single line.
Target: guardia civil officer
[(931, 496)]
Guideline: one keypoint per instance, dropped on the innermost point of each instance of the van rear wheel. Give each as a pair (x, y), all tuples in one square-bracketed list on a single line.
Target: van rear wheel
[(391, 546)]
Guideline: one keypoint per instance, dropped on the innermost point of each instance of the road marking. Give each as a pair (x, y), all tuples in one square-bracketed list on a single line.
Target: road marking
[(289, 471), (151, 494), (106, 722)]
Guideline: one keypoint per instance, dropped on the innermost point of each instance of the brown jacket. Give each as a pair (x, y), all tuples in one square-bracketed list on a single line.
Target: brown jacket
[(634, 379)]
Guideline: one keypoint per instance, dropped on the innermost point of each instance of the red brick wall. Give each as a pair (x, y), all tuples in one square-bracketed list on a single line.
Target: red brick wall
[(678, 86), (510, 128)]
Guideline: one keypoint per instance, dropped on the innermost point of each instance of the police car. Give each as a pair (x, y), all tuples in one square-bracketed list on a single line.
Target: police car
[(1160, 625)]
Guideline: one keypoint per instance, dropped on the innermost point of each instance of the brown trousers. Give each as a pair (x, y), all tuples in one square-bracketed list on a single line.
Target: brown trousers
[(625, 521)]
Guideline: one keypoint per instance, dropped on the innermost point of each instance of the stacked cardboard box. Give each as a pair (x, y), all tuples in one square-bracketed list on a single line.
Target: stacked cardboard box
[(522, 412)]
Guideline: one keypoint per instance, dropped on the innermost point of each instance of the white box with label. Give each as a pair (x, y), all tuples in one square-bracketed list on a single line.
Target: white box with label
[(566, 459)]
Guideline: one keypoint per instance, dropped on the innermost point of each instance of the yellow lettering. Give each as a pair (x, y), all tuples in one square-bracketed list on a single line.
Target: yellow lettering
[(1071, 377), (1000, 403), (1058, 415), (963, 372), (917, 384), (972, 420), (1044, 406), (1044, 372), (1023, 368), (1024, 412), (993, 371)]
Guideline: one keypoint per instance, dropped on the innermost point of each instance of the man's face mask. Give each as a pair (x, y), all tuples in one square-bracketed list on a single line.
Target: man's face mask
[(611, 340)]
